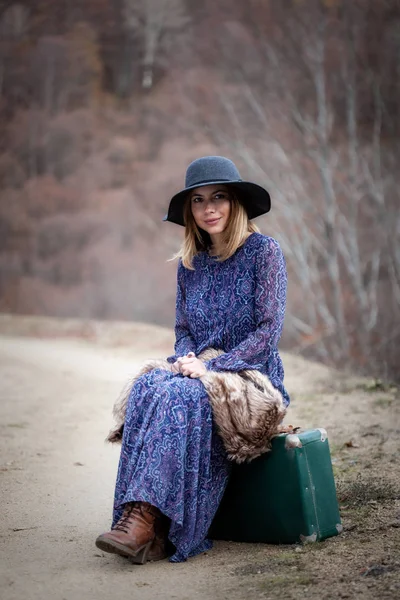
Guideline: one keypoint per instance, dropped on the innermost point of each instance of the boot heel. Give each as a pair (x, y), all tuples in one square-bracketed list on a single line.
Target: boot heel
[(141, 556)]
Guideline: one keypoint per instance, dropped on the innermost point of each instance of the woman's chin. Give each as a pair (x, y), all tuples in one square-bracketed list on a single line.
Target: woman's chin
[(214, 229)]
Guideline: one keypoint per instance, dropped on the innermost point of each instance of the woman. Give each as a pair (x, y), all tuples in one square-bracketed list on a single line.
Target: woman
[(231, 296)]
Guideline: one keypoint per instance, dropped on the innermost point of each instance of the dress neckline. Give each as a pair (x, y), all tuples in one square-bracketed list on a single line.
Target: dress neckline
[(214, 257)]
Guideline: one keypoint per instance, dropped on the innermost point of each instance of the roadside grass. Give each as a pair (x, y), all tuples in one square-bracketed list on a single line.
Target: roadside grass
[(364, 489)]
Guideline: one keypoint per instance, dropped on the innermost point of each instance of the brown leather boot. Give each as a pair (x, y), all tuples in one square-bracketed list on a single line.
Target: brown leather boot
[(158, 550), (134, 534)]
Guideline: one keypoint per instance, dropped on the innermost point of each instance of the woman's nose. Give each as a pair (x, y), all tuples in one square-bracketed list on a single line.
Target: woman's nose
[(209, 207)]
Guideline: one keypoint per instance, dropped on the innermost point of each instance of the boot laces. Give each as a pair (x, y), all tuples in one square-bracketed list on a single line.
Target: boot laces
[(125, 520)]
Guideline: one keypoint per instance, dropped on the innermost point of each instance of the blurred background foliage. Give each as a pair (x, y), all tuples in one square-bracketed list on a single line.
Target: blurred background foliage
[(103, 104)]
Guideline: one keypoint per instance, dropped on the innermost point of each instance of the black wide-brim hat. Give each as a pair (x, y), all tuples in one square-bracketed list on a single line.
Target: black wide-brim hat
[(211, 170)]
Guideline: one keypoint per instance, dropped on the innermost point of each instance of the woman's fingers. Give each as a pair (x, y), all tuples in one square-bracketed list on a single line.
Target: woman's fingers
[(188, 370), (193, 368), (188, 355), (184, 360)]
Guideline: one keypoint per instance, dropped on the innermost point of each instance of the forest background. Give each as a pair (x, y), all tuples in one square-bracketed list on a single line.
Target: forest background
[(103, 105)]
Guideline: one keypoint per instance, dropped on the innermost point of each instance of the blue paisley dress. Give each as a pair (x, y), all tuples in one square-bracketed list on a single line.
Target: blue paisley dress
[(171, 455)]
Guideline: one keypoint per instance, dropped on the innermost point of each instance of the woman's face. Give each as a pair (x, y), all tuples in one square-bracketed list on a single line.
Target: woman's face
[(211, 208)]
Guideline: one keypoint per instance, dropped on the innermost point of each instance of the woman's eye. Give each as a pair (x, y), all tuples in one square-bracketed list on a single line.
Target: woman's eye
[(196, 200)]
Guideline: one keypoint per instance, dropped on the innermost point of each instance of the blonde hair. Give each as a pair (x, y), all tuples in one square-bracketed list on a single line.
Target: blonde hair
[(197, 240)]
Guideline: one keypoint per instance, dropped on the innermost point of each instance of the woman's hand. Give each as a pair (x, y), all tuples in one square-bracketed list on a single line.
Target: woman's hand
[(190, 366), (175, 367)]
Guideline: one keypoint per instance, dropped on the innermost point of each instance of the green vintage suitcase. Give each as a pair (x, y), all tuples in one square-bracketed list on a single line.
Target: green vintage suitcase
[(283, 497)]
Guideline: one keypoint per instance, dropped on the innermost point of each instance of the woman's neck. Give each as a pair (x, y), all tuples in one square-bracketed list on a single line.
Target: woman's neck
[(216, 245)]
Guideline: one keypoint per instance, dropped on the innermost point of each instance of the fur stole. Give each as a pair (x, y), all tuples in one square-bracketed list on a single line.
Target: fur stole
[(247, 409)]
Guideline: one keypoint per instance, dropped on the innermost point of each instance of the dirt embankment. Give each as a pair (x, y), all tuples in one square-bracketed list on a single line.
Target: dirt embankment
[(58, 380)]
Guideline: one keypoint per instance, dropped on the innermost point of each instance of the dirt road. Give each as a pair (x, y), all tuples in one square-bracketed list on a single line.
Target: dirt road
[(58, 381)]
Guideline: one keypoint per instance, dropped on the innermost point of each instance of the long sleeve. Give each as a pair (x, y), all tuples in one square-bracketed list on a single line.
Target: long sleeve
[(184, 341), (270, 303)]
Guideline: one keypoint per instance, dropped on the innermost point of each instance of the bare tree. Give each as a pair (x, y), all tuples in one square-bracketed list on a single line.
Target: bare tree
[(154, 22), (14, 23), (336, 191)]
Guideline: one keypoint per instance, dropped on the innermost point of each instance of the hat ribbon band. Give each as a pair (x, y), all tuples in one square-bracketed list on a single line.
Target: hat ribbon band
[(213, 181)]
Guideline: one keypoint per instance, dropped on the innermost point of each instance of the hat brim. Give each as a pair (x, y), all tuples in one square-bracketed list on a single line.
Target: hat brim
[(255, 199)]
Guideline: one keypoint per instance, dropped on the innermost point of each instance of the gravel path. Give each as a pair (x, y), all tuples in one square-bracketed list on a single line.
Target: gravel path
[(57, 477)]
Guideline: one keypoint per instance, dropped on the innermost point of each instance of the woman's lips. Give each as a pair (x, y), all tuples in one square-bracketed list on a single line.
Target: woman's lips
[(212, 221)]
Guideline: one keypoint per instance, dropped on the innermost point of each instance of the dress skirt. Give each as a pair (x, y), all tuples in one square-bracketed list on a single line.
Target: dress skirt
[(173, 458)]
